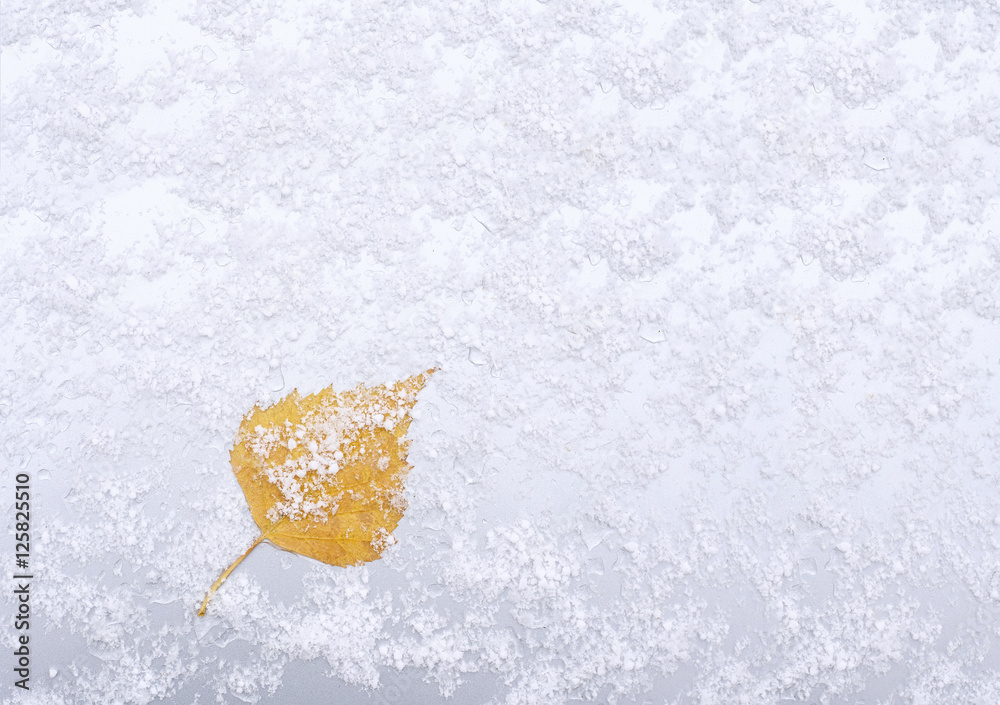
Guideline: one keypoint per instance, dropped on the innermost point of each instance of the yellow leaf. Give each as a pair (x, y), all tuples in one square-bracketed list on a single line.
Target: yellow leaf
[(323, 474)]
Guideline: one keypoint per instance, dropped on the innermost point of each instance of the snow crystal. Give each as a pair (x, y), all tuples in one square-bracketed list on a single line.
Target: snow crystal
[(713, 295)]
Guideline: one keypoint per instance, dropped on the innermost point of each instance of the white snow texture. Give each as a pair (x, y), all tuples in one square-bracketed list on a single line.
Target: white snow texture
[(712, 286)]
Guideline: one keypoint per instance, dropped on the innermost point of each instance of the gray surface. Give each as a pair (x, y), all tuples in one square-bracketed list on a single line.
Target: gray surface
[(713, 291)]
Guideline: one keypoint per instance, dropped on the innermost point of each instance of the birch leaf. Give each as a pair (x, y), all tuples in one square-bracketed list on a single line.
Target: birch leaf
[(323, 474)]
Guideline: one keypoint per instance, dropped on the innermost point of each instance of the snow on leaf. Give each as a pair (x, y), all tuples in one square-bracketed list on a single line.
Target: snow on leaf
[(323, 474)]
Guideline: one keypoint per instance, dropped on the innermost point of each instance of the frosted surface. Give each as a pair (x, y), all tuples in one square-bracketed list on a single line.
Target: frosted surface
[(714, 293)]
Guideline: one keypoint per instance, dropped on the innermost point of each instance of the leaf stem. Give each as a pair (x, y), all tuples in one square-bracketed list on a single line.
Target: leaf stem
[(230, 569)]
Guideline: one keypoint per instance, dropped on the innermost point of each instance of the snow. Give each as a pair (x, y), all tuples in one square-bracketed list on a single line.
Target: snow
[(713, 291)]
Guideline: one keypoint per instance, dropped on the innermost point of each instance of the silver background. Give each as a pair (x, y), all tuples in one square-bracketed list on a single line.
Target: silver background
[(714, 292)]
